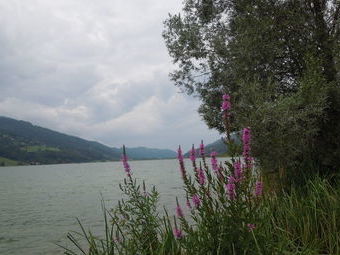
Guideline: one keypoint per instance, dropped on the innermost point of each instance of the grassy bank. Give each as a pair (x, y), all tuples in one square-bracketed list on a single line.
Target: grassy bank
[(304, 220)]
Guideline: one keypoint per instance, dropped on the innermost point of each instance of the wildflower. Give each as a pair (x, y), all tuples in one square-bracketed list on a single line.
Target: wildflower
[(181, 161), (251, 227), (202, 152), (193, 154), (196, 200), (246, 142), (201, 176), (125, 163), (214, 162), (231, 188), (188, 204), (246, 146), (238, 171), (258, 188), (226, 105), (177, 233), (179, 212), (180, 154)]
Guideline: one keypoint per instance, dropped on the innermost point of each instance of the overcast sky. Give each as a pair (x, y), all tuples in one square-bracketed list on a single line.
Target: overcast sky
[(97, 70)]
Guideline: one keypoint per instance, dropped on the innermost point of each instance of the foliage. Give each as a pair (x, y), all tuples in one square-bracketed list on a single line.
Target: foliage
[(280, 62), (305, 220)]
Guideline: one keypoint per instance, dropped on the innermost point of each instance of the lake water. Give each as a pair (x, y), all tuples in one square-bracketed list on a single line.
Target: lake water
[(39, 204)]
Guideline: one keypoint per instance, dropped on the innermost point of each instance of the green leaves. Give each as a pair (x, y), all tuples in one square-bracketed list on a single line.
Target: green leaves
[(278, 60)]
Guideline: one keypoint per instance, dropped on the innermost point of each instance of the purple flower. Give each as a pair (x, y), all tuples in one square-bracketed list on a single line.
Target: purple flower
[(258, 188), (196, 200), (177, 233), (179, 211), (181, 161), (180, 154), (202, 149), (193, 154), (230, 187), (251, 227), (188, 204), (238, 171), (226, 105), (214, 162), (201, 176), (246, 137), (126, 164), (226, 97)]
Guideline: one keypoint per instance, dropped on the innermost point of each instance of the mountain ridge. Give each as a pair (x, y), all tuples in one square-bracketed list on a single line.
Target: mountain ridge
[(25, 143)]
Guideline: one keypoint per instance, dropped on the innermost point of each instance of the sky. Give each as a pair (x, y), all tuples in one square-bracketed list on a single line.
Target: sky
[(97, 70)]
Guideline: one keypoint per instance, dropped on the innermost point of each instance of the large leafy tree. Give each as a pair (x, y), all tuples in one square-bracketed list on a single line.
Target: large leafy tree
[(280, 62)]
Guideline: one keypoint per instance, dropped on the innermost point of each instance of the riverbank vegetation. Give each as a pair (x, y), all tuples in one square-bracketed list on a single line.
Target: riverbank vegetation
[(219, 218), (229, 208)]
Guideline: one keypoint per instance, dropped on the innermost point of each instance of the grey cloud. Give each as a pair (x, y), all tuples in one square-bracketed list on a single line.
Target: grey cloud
[(94, 69)]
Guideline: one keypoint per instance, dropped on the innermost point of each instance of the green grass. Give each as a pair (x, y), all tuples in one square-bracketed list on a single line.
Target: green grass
[(8, 162), (305, 220), (37, 148)]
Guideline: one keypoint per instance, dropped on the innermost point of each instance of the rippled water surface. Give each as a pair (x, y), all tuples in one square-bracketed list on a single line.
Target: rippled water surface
[(39, 204)]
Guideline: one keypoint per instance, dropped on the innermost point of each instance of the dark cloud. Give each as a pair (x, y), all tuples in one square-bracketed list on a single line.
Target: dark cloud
[(98, 70)]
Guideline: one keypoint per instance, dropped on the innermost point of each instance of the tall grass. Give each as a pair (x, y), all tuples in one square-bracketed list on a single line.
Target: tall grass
[(305, 220)]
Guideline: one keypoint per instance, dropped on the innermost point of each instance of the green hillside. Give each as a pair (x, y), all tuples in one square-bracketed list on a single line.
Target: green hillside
[(24, 143), (149, 153)]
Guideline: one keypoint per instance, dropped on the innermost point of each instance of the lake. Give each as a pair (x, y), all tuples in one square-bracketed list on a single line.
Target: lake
[(39, 204)]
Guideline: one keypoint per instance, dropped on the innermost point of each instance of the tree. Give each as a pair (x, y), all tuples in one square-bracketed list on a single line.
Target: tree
[(279, 60)]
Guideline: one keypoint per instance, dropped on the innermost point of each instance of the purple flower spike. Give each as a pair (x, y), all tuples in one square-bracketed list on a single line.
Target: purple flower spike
[(180, 154), (238, 171), (179, 212), (202, 152), (226, 105), (181, 162), (214, 162), (193, 154), (230, 187), (125, 163), (258, 188), (201, 176), (196, 200), (188, 204), (177, 233), (226, 97), (246, 137)]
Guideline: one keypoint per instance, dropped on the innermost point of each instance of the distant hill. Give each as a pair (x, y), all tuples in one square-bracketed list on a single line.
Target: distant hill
[(24, 143), (148, 153), (218, 146)]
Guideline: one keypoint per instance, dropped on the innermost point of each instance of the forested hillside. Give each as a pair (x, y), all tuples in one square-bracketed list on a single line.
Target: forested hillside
[(21, 141), (24, 143)]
